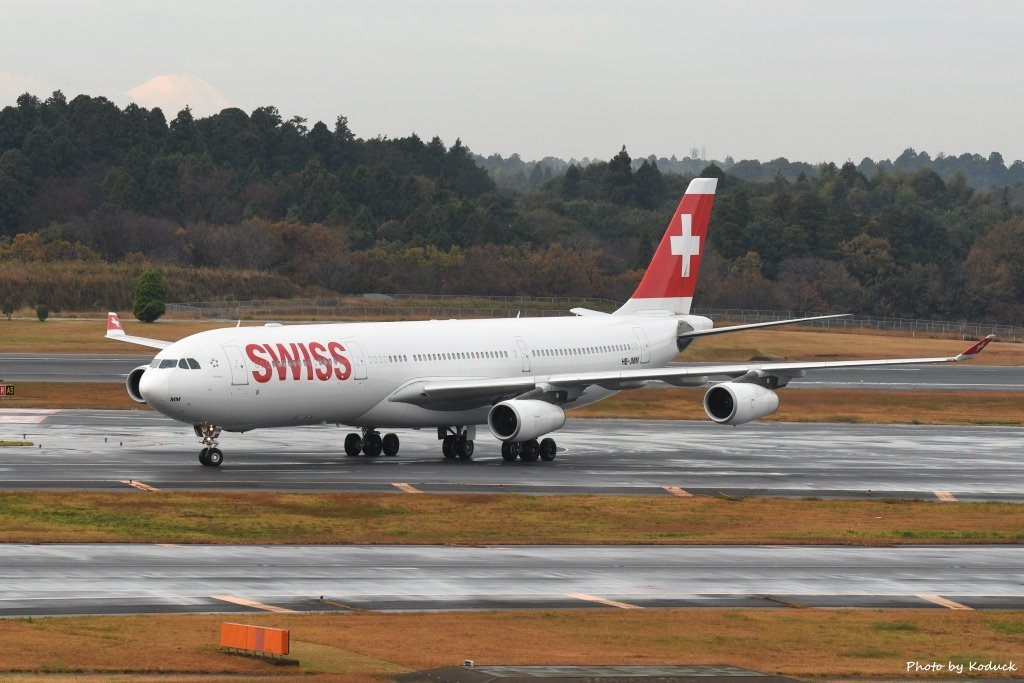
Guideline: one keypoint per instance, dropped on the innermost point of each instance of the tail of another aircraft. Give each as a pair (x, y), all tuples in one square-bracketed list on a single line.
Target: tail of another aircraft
[(671, 278)]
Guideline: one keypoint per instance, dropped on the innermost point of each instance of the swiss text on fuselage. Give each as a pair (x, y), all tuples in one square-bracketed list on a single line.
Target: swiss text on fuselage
[(299, 361)]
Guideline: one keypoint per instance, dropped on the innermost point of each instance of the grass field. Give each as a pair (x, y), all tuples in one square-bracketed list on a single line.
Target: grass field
[(371, 518), (797, 405), (86, 336), (363, 647)]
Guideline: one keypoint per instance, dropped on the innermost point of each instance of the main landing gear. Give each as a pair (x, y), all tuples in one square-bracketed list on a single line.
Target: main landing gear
[(529, 451), (371, 443), (210, 456), (456, 442)]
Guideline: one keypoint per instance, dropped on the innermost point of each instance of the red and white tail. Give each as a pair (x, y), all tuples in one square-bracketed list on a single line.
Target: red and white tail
[(114, 328), (671, 279)]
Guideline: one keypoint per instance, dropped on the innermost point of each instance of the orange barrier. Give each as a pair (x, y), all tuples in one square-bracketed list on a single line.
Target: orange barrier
[(258, 639)]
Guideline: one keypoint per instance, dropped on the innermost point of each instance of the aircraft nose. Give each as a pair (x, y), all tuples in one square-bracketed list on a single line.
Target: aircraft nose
[(153, 387)]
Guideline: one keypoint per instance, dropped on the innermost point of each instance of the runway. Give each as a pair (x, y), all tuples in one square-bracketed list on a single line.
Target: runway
[(21, 367), (117, 579), (100, 450)]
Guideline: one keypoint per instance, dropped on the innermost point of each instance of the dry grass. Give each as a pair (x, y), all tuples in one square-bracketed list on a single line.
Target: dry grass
[(829, 405), (374, 518), (367, 646), (86, 336), (91, 395), (794, 343), (797, 405)]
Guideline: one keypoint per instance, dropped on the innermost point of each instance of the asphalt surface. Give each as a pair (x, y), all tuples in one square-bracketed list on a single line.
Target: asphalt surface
[(100, 450), (112, 579), (20, 367)]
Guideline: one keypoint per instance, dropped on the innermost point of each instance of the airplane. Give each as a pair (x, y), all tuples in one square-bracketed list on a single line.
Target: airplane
[(518, 376)]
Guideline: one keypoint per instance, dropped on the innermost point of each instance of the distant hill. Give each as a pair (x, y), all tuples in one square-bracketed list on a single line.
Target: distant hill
[(248, 205), (513, 173)]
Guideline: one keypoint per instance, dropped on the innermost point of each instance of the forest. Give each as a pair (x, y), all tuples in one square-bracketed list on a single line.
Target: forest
[(249, 205)]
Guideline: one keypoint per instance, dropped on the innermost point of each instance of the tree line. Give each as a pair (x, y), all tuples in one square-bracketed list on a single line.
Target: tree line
[(250, 205)]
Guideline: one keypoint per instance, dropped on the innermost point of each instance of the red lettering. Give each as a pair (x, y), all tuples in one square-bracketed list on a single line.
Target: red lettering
[(274, 361), (306, 360), (318, 351), (262, 375), (343, 368), (289, 361)]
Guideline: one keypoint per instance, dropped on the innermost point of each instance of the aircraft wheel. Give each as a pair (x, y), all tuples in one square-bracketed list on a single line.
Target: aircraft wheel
[(529, 450), (390, 444), (464, 449), (507, 454), (373, 445), (548, 450), (448, 447), (202, 456), (214, 457), (353, 445)]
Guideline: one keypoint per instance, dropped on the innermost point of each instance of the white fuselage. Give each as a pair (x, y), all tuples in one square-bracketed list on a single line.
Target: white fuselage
[(274, 376)]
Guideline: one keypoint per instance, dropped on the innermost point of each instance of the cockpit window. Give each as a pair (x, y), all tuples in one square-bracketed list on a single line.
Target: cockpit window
[(168, 363), (155, 363), (183, 364), (193, 363)]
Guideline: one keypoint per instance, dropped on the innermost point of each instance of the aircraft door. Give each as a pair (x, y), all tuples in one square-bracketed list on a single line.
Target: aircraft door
[(645, 346), (355, 354), (524, 353), (239, 375)]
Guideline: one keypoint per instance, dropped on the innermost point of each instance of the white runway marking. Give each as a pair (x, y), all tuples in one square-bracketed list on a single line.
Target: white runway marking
[(26, 416), (234, 599), (603, 601), (676, 491), (939, 600)]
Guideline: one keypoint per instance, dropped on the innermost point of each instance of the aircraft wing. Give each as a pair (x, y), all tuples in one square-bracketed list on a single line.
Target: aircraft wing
[(116, 331), (458, 394)]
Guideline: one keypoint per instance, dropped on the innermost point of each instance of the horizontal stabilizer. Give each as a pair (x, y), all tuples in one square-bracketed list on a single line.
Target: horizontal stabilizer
[(754, 326)]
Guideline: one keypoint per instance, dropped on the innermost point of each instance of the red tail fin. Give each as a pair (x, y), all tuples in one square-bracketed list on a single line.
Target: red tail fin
[(670, 280), (114, 328)]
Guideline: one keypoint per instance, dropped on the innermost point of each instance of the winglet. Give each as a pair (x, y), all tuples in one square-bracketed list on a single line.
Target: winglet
[(116, 331), (114, 327), (976, 349)]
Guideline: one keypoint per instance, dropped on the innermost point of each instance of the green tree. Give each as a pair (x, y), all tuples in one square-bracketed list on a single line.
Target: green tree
[(149, 296), (8, 308), (42, 312)]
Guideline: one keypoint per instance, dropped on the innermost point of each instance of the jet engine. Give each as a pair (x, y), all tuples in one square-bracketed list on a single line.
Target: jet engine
[(132, 383), (735, 403), (524, 420)]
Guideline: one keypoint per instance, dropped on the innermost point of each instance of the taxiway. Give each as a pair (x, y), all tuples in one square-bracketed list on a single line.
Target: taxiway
[(117, 579), (98, 449)]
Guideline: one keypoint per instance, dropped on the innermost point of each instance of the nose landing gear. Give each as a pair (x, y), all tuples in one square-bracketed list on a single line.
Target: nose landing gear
[(210, 456)]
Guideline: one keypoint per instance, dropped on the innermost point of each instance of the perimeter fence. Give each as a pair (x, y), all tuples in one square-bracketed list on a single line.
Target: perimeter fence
[(442, 306)]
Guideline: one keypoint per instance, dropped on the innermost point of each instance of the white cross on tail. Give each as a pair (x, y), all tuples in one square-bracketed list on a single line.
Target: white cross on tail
[(686, 245)]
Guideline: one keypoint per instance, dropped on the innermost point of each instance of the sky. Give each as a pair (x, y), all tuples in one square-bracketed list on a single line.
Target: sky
[(809, 80)]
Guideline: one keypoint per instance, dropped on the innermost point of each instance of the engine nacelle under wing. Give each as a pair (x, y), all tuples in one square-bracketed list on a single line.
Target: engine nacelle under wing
[(524, 420), (132, 383), (735, 403)]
